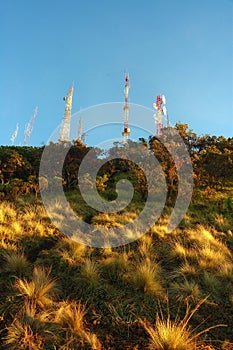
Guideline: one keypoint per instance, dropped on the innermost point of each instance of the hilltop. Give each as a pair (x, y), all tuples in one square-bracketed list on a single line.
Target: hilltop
[(166, 290)]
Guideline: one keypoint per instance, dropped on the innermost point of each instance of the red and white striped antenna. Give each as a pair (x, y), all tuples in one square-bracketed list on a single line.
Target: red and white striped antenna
[(161, 112), (126, 130)]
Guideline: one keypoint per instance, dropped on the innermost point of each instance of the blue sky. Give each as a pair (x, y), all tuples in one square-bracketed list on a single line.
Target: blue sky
[(182, 48)]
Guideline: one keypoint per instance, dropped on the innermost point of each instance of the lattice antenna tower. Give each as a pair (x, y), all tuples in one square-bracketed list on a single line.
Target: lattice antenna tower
[(29, 127), (83, 138), (126, 130), (65, 128), (160, 107), (14, 135), (80, 129)]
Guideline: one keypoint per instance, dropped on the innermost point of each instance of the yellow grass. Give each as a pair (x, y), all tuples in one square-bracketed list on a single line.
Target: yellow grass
[(168, 334), (40, 290), (70, 316), (146, 277)]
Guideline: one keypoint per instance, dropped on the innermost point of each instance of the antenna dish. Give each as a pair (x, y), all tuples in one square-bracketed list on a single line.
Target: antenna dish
[(155, 106), (163, 99), (164, 110)]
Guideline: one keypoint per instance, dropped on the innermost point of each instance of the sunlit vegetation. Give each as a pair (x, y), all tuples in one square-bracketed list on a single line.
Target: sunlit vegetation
[(165, 291)]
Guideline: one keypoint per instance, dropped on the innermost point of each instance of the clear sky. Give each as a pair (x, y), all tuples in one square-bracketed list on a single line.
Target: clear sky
[(182, 48)]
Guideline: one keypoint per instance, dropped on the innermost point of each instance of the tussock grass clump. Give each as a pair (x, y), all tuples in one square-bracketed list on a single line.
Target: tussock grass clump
[(113, 219), (71, 251), (204, 251), (105, 220), (188, 289), (122, 314), (212, 258), (201, 234), (116, 266), (40, 290), (221, 223), (22, 335), (211, 282), (70, 316), (30, 330), (120, 285), (6, 232), (17, 227), (168, 334), (146, 277), (15, 263), (226, 271), (180, 250), (90, 273), (160, 229), (33, 224), (8, 212), (8, 245), (146, 247), (29, 214), (187, 269)]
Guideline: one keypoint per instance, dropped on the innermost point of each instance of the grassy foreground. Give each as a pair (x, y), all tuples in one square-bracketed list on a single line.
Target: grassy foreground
[(165, 291)]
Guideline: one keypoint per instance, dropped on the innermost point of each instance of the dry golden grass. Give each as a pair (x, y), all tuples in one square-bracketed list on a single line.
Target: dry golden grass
[(146, 247), (194, 261), (182, 251), (160, 229), (175, 334), (40, 290), (7, 212), (221, 223), (215, 257), (71, 251), (16, 223), (203, 249), (187, 269), (146, 277), (17, 227), (7, 245), (21, 336), (210, 258), (70, 316), (113, 219), (29, 330), (168, 335)]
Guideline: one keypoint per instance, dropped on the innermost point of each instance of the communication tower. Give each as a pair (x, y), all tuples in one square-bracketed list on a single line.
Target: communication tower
[(29, 128), (80, 129), (160, 106), (65, 128), (14, 135), (126, 130)]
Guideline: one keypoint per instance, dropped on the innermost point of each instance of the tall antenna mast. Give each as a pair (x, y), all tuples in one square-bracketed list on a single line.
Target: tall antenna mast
[(126, 131), (80, 129), (14, 135), (83, 138), (29, 127), (160, 106), (65, 128)]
